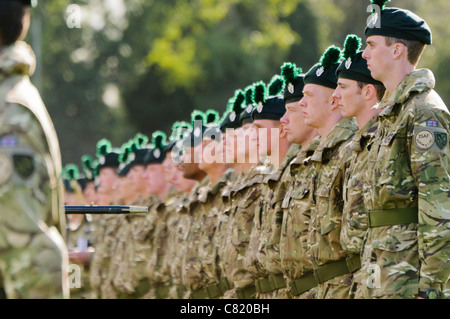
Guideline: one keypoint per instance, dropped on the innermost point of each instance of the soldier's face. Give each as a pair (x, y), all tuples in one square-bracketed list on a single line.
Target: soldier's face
[(294, 124), (229, 146), (126, 189), (169, 168), (348, 96), (316, 104), (136, 175), (90, 193), (378, 56), (247, 144), (107, 180), (267, 133), (154, 178)]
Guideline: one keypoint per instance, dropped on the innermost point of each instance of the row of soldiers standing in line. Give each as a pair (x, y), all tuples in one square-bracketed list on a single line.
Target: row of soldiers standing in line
[(348, 197)]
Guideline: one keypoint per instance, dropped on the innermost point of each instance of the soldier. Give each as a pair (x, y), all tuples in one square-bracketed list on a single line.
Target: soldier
[(191, 265), (272, 147), (245, 201), (213, 163), (34, 257), (356, 94), (332, 267), (108, 163), (406, 250), (78, 229), (177, 211)]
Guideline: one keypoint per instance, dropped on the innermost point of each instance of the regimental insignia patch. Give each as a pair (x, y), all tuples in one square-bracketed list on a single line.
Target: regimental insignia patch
[(24, 165), (431, 138), (441, 139)]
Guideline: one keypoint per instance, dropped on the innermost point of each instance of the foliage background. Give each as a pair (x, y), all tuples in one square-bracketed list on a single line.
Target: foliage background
[(139, 65)]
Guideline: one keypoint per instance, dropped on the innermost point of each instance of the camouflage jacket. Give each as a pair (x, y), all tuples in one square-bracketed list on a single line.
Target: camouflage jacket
[(409, 167), (245, 201), (354, 216), (296, 205), (32, 219), (329, 161), (212, 206), (192, 269), (267, 224)]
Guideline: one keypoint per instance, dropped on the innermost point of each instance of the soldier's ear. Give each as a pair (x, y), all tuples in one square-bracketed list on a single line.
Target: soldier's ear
[(369, 92), (399, 50)]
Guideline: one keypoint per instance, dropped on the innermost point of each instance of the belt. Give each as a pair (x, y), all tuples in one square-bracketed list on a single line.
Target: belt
[(141, 289), (246, 292), (213, 290), (396, 216), (162, 291), (199, 293), (270, 283), (324, 273)]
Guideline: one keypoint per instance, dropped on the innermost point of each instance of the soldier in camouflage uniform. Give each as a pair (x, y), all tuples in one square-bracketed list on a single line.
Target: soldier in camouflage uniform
[(34, 256), (356, 94), (158, 184), (107, 225), (332, 267), (78, 233), (295, 205), (243, 200), (213, 163), (406, 251), (273, 284), (192, 269), (272, 146)]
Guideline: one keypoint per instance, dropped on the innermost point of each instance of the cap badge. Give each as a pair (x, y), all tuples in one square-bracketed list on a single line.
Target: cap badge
[(320, 71), (291, 88)]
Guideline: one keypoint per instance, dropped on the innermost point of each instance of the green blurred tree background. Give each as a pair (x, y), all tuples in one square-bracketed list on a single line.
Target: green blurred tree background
[(139, 65)]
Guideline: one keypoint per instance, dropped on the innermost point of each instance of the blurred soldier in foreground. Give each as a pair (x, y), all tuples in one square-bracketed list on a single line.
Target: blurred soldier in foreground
[(33, 257)]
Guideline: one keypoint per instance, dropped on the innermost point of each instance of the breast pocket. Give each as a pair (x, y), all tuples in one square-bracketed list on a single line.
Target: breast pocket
[(329, 203), (246, 208), (299, 208)]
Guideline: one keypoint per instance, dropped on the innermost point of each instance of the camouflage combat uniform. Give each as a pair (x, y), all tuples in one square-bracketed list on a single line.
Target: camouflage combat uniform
[(33, 254), (267, 231), (192, 269), (212, 206), (354, 216), (246, 201), (221, 236), (297, 205), (158, 274), (408, 194), (333, 268), (178, 224), (138, 249)]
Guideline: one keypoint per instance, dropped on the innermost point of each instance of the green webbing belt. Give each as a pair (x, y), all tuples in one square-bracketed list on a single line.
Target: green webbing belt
[(162, 291), (270, 283), (324, 273), (246, 292), (200, 293), (397, 216)]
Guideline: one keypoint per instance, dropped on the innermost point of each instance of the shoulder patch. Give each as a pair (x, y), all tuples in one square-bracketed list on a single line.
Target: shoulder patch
[(430, 138), (424, 139)]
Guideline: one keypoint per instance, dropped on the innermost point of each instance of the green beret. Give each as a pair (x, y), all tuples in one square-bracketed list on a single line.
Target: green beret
[(293, 82), (324, 72), (354, 67), (107, 157), (231, 116), (198, 121), (269, 106), (398, 23), (157, 154), (246, 114), (88, 168)]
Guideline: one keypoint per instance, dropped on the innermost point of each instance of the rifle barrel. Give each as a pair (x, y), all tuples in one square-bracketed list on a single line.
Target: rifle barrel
[(114, 209)]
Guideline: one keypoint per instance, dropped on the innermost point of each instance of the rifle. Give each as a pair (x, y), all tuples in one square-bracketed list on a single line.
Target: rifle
[(94, 209)]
